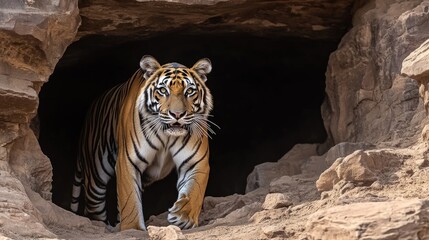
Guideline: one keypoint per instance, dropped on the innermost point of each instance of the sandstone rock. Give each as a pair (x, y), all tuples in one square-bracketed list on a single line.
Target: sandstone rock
[(159, 220), (160, 233), (346, 187), (273, 231), (31, 165), (8, 133), (422, 163), (307, 19), (284, 184), (360, 168), (18, 99), (314, 166), (292, 187), (367, 101), (406, 219), (189, 2), (425, 131), (289, 164), (343, 149), (34, 35), (416, 65), (240, 215), (367, 98), (267, 216), (376, 185), (56, 217), (16, 209), (265, 172), (276, 200), (215, 208), (329, 178)]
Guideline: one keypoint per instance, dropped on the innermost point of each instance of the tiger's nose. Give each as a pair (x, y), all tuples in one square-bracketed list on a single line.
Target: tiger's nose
[(177, 114)]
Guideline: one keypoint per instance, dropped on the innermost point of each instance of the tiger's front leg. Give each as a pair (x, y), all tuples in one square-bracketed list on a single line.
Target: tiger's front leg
[(193, 173), (129, 191)]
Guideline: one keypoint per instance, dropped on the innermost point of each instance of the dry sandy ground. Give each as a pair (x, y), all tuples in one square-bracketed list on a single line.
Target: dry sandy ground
[(306, 213)]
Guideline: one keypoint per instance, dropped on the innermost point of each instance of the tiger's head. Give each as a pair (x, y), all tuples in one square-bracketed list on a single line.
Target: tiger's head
[(175, 99)]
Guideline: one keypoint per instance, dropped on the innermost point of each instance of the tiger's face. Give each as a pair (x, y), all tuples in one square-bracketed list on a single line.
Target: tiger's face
[(177, 99)]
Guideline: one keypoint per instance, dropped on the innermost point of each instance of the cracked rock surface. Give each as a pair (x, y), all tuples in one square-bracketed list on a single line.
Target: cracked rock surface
[(374, 115)]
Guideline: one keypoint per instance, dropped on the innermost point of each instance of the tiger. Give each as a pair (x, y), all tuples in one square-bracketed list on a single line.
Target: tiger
[(138, 132)]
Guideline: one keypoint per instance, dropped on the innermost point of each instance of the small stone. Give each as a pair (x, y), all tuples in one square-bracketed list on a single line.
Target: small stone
[(273, 231), (410, 172), (399, 219), (425, 131), (422, 163), (160, 233), (377, 185), (324, 195), (283, 184), (276, 200), (347, 187)]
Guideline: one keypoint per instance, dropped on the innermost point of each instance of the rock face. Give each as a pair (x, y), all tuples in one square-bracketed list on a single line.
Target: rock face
[(34, 35), (30, 165), (289, 164), (367, 98), (359, 168), (369, 220), (309, 18), (416, 66)]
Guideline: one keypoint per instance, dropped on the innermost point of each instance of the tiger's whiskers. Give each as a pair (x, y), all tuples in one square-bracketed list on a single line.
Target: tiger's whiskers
[(152, 126), (202, 125)]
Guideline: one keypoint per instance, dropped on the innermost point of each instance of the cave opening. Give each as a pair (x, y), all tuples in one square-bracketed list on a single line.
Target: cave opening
[(267, 93)]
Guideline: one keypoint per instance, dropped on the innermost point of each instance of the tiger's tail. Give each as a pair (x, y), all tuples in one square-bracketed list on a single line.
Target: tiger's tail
[(77, 188)]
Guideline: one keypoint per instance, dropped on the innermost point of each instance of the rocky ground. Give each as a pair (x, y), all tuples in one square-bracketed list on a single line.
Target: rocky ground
[(372, 184), (354, 191)]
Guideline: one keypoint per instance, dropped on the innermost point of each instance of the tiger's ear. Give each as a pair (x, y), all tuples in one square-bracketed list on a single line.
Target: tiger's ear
[(203, 67), (149, 65)]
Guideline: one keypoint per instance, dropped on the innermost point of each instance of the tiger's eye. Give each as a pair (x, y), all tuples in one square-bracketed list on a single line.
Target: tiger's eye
[(163, 90), (189, 91)]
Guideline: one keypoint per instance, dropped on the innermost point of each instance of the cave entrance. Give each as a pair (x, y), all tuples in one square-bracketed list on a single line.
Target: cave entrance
[(267, 95)]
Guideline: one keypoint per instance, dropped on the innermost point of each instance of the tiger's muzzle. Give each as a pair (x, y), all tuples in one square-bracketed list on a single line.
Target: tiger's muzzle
[(176, 130), (176, 125)]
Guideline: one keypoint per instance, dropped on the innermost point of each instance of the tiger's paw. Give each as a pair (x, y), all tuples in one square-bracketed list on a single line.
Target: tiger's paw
[(182, 214)]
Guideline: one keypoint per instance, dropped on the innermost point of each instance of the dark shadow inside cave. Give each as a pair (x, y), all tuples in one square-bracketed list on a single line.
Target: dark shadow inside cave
[(267, 96)]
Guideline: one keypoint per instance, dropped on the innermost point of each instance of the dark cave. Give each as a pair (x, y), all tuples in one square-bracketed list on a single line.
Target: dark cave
[(267, 95)]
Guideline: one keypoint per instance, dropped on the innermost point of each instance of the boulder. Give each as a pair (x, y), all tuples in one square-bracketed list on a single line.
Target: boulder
[(360, 168), (276, 200), (368, 100), (400, 219), (416, 66), (289, 164), (170, 232)]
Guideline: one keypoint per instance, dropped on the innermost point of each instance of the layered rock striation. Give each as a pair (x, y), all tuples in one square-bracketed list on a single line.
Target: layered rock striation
[(374, 115), (367, 97), (34, 35)]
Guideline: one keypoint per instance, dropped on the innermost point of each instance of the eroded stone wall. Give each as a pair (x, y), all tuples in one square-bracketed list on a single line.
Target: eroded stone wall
[(33, 36), (367, 98), (367, 101)]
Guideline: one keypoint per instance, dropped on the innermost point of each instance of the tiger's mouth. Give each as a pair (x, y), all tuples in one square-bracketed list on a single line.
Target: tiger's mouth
[(176, 124), (176, 129)]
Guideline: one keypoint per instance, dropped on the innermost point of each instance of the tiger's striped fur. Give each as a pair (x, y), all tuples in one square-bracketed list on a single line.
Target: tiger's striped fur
[(140, 131)]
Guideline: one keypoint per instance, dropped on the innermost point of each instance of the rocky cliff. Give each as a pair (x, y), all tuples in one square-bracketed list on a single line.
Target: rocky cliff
[(367, 181)]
